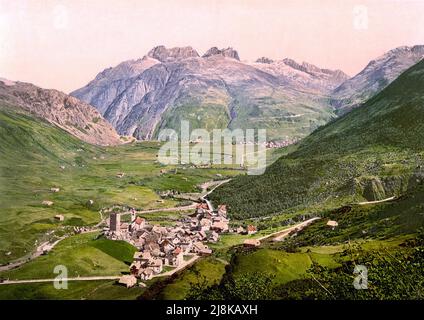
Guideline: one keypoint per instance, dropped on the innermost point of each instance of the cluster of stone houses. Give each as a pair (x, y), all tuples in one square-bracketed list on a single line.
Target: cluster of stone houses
[(281, 143), (161, 246)]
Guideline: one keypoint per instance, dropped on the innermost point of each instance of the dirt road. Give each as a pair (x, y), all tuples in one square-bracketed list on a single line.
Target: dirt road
[(377, 201), (280, 235), (203, 197)]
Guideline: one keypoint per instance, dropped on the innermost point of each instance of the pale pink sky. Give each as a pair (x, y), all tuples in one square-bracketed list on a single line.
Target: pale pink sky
[(64, 44)]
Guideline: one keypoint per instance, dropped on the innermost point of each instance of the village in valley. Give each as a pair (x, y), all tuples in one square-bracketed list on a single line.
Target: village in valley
[(165, 250)]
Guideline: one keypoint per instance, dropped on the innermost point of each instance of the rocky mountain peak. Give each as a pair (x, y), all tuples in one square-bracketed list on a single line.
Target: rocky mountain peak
[(228, 52), (305, 67), (403, 52), (164, 54), (313, 69), (406, 49), (7, 82), (264, 60), (378, 73), (418, 48), (337, 74)]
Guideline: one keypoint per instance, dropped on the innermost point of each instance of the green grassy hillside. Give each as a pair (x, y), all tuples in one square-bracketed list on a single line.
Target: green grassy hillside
[(77, 290), (31, 153), (372, 153), (36, 156), (83, 255)]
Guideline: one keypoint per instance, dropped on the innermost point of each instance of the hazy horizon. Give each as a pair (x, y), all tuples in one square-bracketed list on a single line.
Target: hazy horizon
[(63, 44)]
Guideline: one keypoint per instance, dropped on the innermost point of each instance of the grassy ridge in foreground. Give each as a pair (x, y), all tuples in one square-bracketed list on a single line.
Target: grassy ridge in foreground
[(77, 290)]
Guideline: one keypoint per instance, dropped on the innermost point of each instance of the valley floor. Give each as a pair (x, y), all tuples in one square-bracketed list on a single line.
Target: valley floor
[(129, 176)]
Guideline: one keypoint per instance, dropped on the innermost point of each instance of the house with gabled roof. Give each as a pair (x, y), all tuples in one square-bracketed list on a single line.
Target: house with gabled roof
[(220, 226), (222, 210), (146, 274), (174, 258), (201, 249), (202, 235), (167, 245), (156, 265), (135, 268), (205, 224), (128, 280), (178, 256), (213, 237), (251, 229), (151, 246), (137, 224)]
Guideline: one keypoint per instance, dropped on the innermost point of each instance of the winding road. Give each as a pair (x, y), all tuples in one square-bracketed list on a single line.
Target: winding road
[(205, 186)]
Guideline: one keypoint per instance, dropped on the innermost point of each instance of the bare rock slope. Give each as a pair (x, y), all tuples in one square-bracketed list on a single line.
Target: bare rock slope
[(377, 75), (69, 113)]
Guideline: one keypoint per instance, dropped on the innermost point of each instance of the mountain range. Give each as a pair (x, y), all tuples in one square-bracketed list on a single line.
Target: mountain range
[(366, 145), (217, 90)]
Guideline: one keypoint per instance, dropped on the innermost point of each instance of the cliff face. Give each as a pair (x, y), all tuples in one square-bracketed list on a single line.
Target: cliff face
[(72, 115)]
